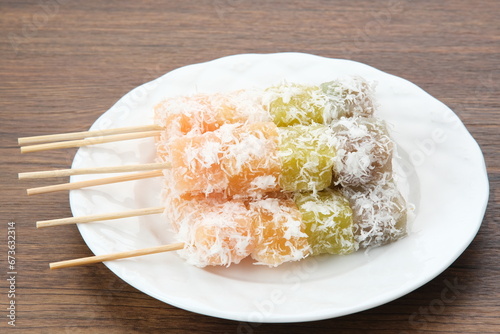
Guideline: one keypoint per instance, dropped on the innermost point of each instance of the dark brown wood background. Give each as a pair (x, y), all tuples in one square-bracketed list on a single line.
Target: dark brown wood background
[(63, 63)]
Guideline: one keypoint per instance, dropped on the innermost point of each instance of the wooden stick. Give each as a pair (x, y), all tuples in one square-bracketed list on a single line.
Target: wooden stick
[(105, 216), (116, 256), (96, 182), (84, 134), (88, 141), (92, 170)]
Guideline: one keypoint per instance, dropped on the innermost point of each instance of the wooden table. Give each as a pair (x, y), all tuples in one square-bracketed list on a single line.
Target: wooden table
[(63, 63)]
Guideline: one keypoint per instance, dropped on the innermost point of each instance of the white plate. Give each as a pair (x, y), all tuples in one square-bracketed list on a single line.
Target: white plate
[(440, 168)]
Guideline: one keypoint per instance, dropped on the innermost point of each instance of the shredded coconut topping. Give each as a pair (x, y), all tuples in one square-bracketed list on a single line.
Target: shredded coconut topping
[(200, 113), (228, 194), (235, 159), (279, 232), (215, 232), (348, 97), (364, 150), (380, 212)]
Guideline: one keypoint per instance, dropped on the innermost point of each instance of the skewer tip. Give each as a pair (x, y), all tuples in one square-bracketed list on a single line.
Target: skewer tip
[(55, 265)]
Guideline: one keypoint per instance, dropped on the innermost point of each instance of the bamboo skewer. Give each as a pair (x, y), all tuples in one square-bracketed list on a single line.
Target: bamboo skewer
[(85, 138), (92, 170), (99, 217), (89, 141), (84, 134), (116, 256), (96, 182)]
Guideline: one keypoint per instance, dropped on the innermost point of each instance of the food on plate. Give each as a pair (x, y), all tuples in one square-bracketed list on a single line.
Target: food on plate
[(284, 104), (254, 158), (313, 176), (285, 227), (251, 159), (275, 174), (271, 230)]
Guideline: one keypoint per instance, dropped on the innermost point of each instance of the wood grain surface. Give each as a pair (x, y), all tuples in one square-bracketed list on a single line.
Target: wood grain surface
[(63, 63)]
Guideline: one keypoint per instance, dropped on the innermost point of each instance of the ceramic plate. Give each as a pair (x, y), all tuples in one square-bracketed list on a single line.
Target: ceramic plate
[(439, 168)]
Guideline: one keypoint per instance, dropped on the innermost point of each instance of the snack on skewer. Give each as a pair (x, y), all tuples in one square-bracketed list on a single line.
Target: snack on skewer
[(252, 159), (227, 243), (299, 157), (227, 152), (272, 230), (288, 227), (324, 220), (284, 104)]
